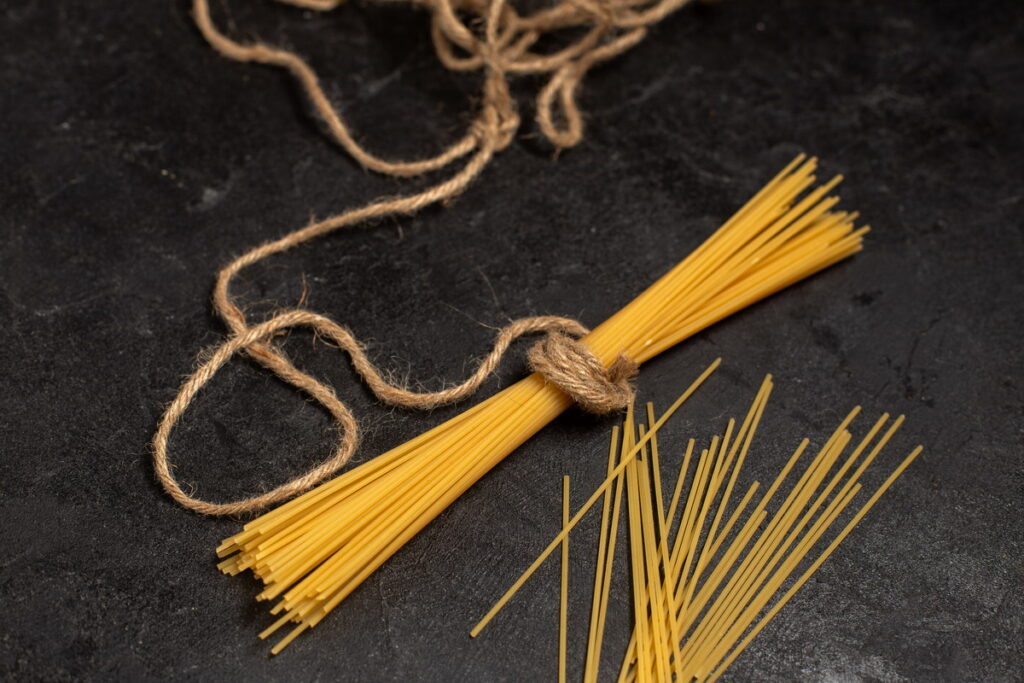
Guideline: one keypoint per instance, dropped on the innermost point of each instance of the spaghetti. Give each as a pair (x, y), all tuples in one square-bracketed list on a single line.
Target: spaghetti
[(703, 591), (313, 551)]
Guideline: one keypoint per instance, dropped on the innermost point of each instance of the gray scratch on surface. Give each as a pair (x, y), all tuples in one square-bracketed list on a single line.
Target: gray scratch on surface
[(907, 380), (370, 89), (487, 281), (69, 305), (45, 199), (643, 94), (388, 627), (467, 316)]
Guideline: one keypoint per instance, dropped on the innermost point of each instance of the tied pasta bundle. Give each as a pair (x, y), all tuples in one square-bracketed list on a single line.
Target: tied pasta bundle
[(313, 551), (705, 583)]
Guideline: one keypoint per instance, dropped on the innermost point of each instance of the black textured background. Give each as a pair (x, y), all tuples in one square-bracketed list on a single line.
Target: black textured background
[(136, 161)]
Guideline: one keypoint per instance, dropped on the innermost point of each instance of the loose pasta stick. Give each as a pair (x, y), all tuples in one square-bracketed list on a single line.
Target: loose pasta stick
[(563, 604)]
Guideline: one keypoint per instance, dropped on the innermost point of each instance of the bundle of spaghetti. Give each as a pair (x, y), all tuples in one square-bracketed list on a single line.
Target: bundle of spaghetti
[(702, 602), (313, 551), (709, 611), (701, 589)]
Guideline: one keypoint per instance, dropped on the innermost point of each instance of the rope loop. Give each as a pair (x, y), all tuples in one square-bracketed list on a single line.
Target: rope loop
[(255, 341), (502, 47)]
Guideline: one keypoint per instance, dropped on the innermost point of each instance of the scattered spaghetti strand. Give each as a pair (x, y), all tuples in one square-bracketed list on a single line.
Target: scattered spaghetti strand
[(697, 606)]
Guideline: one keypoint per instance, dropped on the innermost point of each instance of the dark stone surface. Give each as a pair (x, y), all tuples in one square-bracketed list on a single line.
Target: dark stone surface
[(135, 161)]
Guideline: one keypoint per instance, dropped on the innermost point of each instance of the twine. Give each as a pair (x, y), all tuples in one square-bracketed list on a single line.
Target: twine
[(573, 368), (502, 48)]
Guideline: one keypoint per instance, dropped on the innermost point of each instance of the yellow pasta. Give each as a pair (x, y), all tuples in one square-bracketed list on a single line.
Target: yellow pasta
[(603, 567), (701, 597), (313, 551), (563, 603)]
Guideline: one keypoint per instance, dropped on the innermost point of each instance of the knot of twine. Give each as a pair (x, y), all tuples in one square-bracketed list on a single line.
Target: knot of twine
[(500, 46), (572, 367)]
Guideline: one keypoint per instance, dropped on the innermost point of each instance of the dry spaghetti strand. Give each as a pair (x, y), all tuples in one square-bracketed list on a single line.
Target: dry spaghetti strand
[(563, 602)]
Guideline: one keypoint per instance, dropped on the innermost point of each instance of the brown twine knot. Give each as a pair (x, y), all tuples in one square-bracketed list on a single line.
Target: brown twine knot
[(572, 367)]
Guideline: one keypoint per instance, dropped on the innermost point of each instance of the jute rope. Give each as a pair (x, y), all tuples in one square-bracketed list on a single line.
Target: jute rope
[(502, 48)]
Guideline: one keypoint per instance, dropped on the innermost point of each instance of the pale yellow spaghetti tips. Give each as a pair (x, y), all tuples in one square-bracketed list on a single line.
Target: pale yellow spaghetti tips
[(563, 598), (702, 588), (603, 566), (313, 551)]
